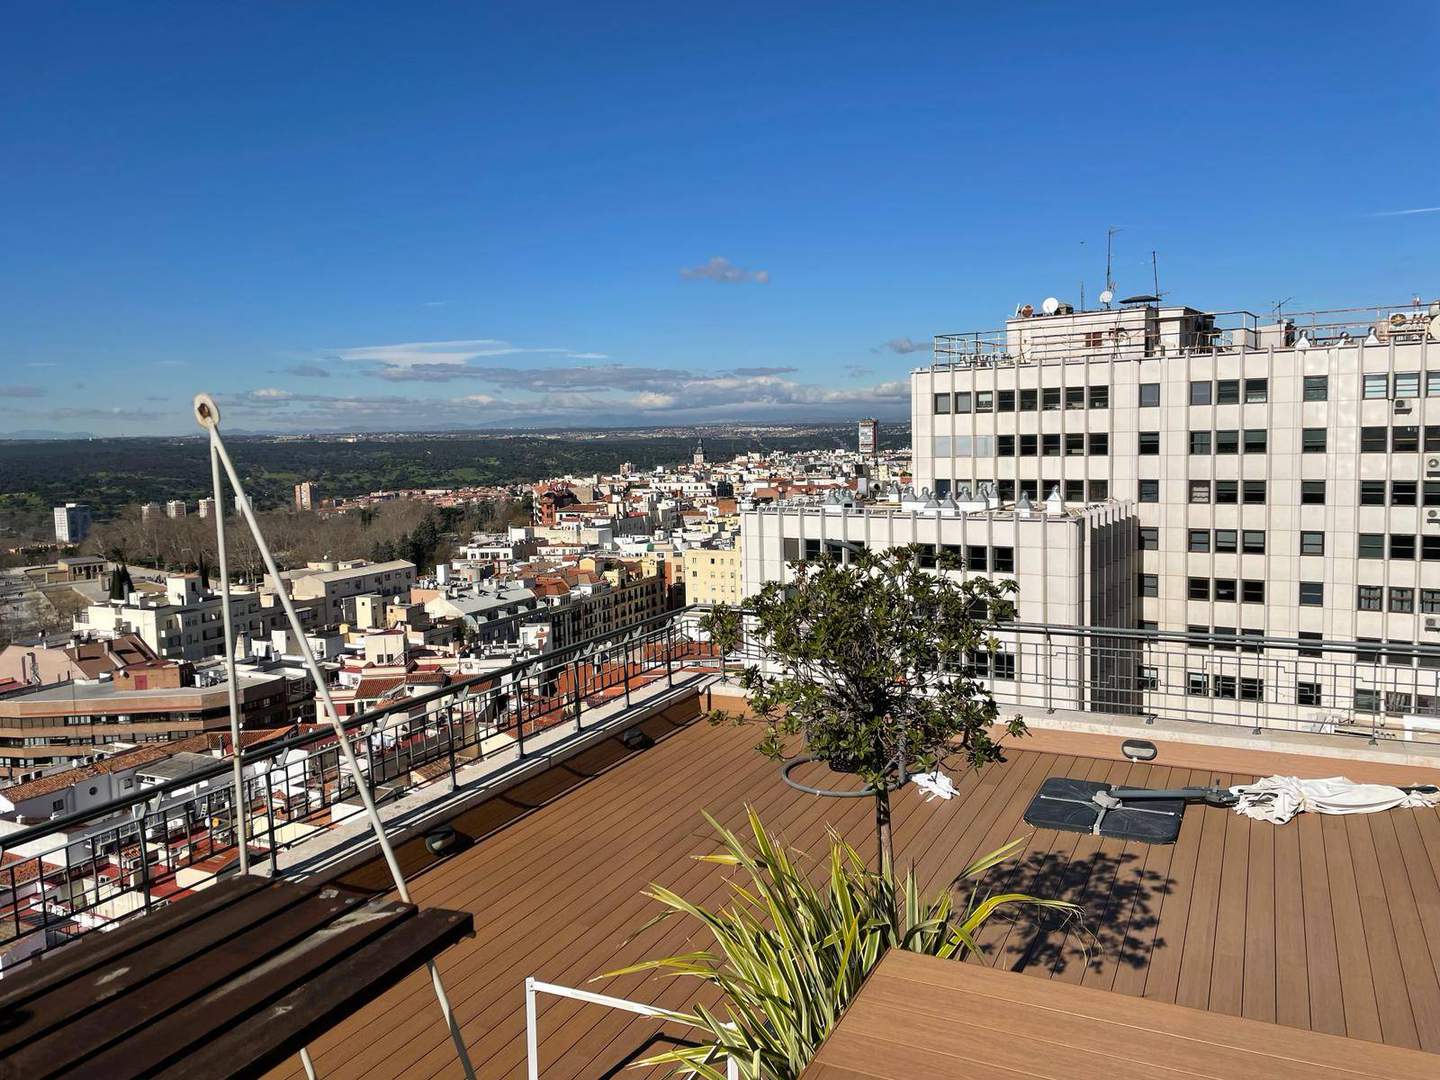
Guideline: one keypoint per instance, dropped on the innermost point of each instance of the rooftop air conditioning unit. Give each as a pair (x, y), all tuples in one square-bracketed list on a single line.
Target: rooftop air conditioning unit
[(1401, 405)]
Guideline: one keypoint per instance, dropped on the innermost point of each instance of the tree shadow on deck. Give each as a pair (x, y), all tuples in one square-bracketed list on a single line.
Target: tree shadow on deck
[(1120, 899)]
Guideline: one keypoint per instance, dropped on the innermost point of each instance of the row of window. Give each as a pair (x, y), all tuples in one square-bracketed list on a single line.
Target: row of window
[(1230, 392), (1403, 384), (1242, 687), (1071, 444), (1223, 590), (1249, 541), (1253, 441), (976, 557), (1402, 493), (1399, 439), (1402, 599), (1047, 399), (1402, 546), (1250, 492), (1009, 490)]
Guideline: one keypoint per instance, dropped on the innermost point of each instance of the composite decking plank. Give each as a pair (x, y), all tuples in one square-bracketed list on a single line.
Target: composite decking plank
[(1292, 964), (1402, 881), (1162, 975), (1362, 1015), (1390, 981), (1258, 991), (1228, 974)]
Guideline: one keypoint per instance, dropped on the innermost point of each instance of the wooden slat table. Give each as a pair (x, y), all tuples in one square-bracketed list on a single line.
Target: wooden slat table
[(228, 983), (919, 1016)]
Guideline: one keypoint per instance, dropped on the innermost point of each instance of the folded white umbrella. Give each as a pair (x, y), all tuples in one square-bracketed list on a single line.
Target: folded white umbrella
[(1279, 798), (936, 785)]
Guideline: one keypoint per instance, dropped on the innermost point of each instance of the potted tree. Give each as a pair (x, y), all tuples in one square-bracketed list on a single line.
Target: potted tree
[(874, 661)]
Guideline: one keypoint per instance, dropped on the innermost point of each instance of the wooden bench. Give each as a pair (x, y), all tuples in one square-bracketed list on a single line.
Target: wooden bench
[(230, 982)]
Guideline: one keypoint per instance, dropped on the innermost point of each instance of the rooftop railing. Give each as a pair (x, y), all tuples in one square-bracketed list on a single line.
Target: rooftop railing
[(88, 870), (63, 878)]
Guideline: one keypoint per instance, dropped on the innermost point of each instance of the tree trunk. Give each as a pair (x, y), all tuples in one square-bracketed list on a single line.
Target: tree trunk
[(882, 833)]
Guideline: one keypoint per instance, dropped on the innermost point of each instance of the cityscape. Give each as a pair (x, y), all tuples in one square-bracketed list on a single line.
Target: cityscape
[(751, 674)]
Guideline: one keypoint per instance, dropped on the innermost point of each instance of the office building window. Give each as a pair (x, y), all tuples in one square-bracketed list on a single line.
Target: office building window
[(1074, 397), (1402, 600), (1312, 543), (1004, 400), (1227, 491), (1430, 548), (1003, 560), (1255, 440), (1407, 384), (1372, 492), (1316, 388), (1307, 694), (1312, 594), (1005, 445), (1252, 592), (1312, 492), (984, 401), (1254, 492), (1366, 699), (1368, 597), (1050, 398), (1075, 444), (1372, 546), (1430, 601), (1199, 588), (1312, 440), (1029, 444), (1074, 491), (942, 404), (1252, 541), (963, 403), (1199, 540), (977, 558), (1099, 397), (1098, 490), (1376, 386), (1226, 541), (1225, 686), (1251, 688), (1149, 584), (1257, 391), (1099, 443), (1403, 493), (1199, 442), (1149, 538), (1199, 491), (1310, 635), (1149, 443), (1405, 439), (1432, 383), (1029, 400), (1402, 546), (1197, 684), (1430, 493), (1148, 678), (1227, 392), (1200, 393), (1149, 491), (1050, 445), (1227, 442), (1226, 590), (1149, 395), (1374, 440)]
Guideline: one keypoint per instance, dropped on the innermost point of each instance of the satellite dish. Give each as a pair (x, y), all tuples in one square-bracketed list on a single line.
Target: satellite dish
[(1435, 327), (1050, 306), (1106, 296)]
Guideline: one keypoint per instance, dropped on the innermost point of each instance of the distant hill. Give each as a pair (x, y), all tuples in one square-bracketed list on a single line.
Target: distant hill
[(36, 474)]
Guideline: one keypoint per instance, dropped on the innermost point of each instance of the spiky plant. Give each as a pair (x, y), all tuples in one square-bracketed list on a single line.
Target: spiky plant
[(790, 953)]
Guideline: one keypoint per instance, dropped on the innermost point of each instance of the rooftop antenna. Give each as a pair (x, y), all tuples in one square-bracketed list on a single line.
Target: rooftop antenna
[(1155, 270), (1279, 308), (1109, 244)]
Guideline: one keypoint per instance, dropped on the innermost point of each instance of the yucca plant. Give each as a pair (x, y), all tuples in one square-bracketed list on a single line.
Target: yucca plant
[(790, 953)]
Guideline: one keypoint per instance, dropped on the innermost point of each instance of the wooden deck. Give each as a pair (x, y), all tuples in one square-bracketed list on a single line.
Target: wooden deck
[(1325, 924), (918, 1016)]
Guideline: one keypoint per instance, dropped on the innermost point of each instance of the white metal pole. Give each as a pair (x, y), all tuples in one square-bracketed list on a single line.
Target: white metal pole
[(209, 416), (241, 838), (305, 1061), (532, 1037)]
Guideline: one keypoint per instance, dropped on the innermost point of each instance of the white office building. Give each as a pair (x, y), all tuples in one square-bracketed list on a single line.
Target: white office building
[(72, 523)]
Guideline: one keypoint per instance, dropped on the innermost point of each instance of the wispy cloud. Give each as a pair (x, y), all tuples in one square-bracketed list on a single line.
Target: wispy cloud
[(723, 270), (21, 392), (306, 370), (436, 303), (1407, 213), (396, 361), (902, 345)]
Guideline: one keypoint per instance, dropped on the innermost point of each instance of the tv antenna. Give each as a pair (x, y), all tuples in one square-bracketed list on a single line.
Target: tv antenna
[(1155, 271), (1109, 250)]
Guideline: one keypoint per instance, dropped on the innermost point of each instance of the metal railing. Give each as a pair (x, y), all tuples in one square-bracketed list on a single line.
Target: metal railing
[(89, 870)]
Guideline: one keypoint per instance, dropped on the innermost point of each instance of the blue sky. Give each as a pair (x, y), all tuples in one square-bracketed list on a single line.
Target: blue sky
[(366, 216)]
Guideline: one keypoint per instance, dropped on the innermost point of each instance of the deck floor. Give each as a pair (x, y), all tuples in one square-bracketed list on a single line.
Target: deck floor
[(1327, 924)]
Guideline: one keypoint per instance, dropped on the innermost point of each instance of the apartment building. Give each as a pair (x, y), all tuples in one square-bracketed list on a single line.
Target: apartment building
[(175, 509), (305, 495), (712, 575), (1285, 472), (328, 586), (72, 523)]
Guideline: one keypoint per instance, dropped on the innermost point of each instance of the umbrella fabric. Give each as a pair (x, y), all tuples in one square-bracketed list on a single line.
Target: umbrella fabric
[(935, 785), (1279, 798)]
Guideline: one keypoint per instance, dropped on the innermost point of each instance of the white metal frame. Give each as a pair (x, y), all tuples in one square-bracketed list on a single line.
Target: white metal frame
[(207, 414), (534, 987)]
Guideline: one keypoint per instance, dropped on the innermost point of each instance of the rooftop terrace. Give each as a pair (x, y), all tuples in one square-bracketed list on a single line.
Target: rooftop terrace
[(1325, 924)]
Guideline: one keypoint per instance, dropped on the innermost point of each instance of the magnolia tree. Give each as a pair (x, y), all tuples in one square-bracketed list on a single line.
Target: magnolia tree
[(875, 662)]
